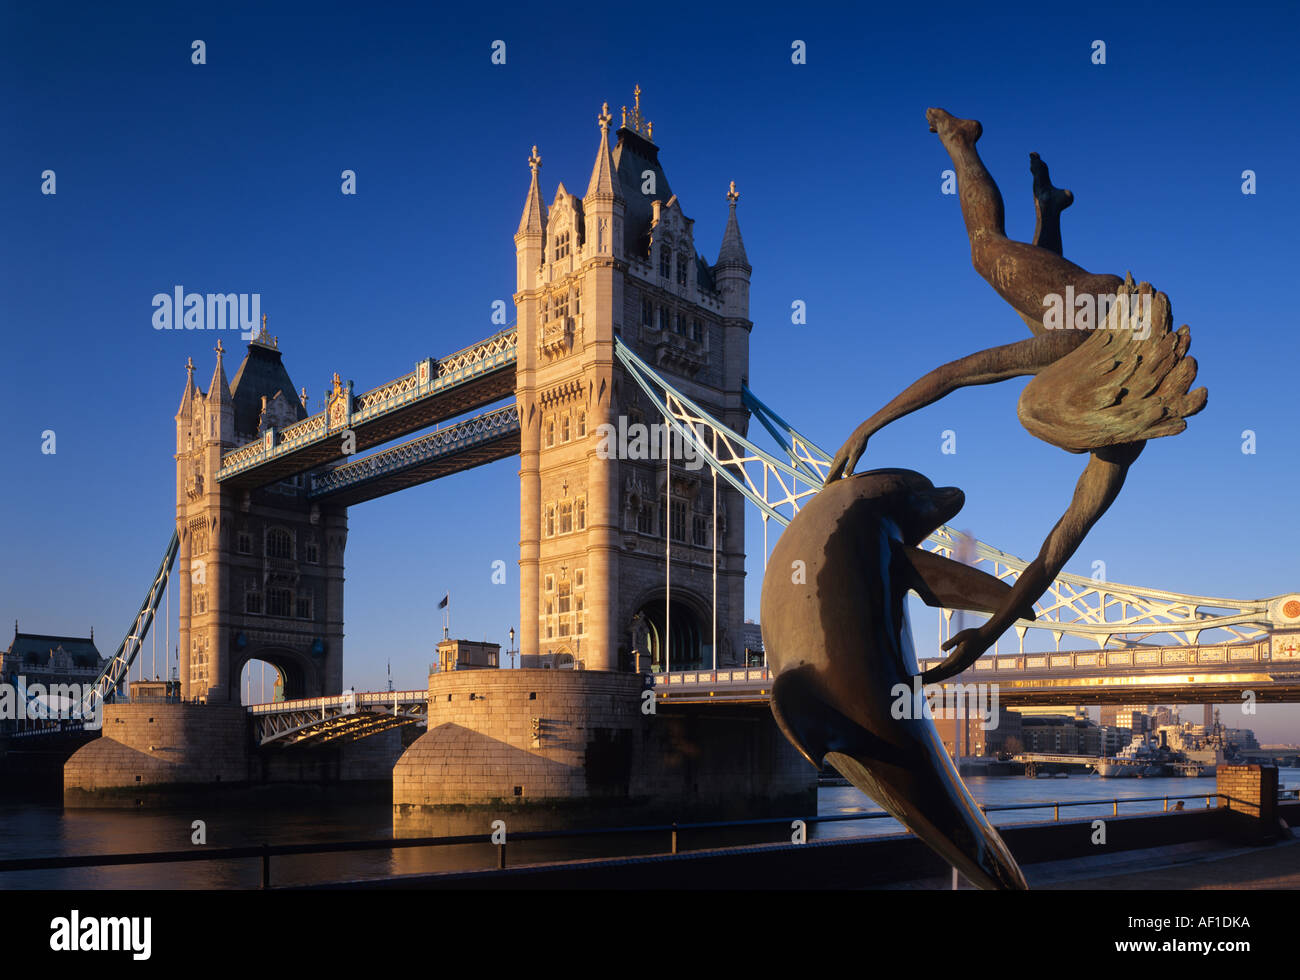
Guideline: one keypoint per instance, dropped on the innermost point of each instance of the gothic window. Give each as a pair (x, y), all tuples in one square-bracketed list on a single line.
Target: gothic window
[(550, 583), (645, 520), (564, 428), (681, 269), (677, 514), (564, 597), (564, 626), (577, 302), (562, 245), (566, 518), (582, 424), (701, 530), (550, 432), (244, 543), (663, 318), (302, 606), (697, 331), (279, 543), (580, 509), (550, 607), (550, 522), (647, 313), (665, 261), (253, 602), (562, 306), (582, 629), (279, 602), (313, 552), (679, 324), (578, 578), (198, 601)]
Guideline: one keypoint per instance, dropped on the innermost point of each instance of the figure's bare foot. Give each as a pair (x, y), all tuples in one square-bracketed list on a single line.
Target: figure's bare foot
[(951, 129), (1049, 198)]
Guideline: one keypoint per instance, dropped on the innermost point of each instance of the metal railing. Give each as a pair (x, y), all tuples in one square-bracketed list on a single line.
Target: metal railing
[(264, 852)]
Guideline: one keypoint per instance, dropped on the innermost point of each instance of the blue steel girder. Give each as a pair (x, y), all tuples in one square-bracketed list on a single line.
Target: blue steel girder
[(461, 446), (438, 389), (1109, 614)]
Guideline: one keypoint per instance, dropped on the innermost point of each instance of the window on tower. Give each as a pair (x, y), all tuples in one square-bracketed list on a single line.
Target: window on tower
[(702, 530), (582, 424), (279, 543), (665, 261), (697, 331), (279, 602), (681, 270), (566, 518), (564, 428), (580, 507), (562, 245), (663, 318), (647, 314), (550, 432)]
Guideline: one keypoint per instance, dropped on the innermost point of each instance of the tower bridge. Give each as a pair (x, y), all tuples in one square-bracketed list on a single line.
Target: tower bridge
[(618, 317)]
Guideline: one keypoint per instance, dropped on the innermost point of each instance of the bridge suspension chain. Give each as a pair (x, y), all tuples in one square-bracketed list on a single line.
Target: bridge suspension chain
[(1107, 613), (119, 665)]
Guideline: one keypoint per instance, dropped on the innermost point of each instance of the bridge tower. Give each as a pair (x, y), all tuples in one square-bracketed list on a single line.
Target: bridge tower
[(598, 504), (261, 571)]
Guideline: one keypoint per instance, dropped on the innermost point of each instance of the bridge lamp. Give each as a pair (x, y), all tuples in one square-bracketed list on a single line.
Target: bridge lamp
[(512, 646)]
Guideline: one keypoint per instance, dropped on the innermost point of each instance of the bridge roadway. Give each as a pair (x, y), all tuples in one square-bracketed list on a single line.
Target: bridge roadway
[(342, 718), (1141, 675), (438, 389), (1170, 675)]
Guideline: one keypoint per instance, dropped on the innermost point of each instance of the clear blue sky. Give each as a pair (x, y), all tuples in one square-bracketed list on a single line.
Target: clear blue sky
[(225, 177)]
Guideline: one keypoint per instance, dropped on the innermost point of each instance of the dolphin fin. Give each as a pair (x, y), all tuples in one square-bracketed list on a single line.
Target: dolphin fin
[(790, 703), (940, 581)]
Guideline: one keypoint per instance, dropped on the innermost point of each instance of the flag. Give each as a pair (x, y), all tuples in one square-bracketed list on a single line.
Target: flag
[(443, 604)]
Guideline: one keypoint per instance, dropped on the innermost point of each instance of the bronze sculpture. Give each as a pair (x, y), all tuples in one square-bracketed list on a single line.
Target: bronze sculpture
[(1104, 389), (836, 634), (836, 630)]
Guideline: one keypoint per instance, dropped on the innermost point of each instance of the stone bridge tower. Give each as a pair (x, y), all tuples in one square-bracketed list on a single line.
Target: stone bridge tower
[(260, 572), (621, 261)]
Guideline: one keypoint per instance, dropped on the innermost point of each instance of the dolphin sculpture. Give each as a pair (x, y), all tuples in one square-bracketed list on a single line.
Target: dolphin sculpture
[(838, 642)]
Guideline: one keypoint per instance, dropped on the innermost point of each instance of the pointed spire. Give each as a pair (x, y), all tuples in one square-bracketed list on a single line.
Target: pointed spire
[(533, 221), (732, 252), (219, 388), (602, 173), (187, 397)]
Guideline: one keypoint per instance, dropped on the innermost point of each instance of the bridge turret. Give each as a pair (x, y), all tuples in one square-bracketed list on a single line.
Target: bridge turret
[(603, 205), (220, 423), (732, 269), (530, 239)]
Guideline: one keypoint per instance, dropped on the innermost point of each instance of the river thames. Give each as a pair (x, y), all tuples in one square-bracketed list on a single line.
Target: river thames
[(32, 830)]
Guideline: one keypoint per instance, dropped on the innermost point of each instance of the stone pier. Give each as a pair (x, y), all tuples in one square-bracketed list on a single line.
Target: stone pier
[(155, 754), (532, 743)]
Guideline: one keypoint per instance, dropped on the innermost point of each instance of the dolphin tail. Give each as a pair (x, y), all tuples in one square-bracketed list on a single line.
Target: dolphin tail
[(958, 831)]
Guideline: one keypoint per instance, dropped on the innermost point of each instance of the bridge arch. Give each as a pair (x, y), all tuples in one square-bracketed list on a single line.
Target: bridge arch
[(690, 627), (298, 674)]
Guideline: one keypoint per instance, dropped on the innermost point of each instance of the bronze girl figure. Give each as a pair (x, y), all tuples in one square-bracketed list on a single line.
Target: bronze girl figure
[(1104, 389)]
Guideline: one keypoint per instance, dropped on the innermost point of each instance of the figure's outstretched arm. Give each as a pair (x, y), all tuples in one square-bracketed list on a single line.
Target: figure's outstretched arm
[(986, 367), (1096, 490)]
